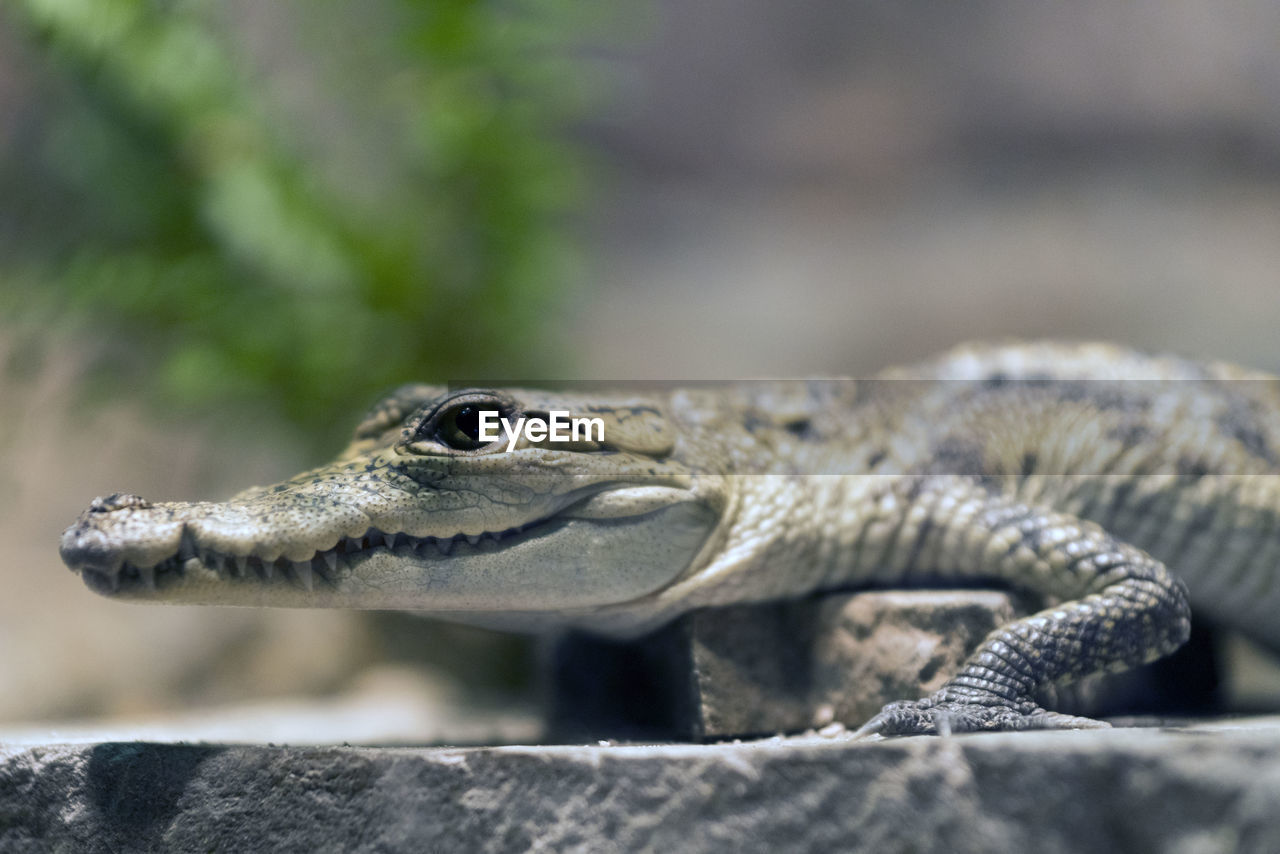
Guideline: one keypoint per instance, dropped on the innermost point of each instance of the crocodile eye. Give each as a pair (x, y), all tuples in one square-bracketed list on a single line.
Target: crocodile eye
[(459, 428), (459, 423)]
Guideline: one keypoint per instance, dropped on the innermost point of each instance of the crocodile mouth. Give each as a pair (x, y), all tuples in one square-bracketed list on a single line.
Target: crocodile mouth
[(604, 546), (325, 568)]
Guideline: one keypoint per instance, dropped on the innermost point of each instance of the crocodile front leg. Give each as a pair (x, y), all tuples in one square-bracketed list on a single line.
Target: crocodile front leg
[(1119, 608)]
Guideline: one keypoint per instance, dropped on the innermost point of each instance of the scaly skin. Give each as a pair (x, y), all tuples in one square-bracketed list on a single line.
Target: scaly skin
[(1079, 473)]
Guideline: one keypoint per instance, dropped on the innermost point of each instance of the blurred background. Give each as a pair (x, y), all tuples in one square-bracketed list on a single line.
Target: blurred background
[(226, 227)]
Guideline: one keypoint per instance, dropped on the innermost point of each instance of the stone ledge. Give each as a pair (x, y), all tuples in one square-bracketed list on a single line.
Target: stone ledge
[(1196, 789)]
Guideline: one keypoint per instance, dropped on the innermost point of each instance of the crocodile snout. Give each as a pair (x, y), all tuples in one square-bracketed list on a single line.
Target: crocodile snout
[(119, 528), (85, 547)]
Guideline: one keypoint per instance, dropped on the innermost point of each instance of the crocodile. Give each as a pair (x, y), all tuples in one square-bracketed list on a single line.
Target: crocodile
[(1118, 489)]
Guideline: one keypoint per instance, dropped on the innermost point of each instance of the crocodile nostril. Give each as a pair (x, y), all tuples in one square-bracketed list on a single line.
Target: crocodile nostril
[(118, 501)]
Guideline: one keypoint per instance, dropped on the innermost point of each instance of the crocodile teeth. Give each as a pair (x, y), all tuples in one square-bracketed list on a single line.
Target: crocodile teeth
[(190, 558), (302, 569)]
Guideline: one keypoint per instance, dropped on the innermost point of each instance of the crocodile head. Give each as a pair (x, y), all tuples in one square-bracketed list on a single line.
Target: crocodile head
[(421, 512)]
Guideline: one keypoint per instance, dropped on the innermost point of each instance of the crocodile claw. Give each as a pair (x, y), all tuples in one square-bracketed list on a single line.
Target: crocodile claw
[(945, 712)]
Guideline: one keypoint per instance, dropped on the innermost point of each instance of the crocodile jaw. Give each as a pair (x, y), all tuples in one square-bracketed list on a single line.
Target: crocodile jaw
[(616, 545)]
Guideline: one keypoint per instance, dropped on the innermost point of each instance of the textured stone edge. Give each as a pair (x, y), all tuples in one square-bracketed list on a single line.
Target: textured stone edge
[(1134, 789)]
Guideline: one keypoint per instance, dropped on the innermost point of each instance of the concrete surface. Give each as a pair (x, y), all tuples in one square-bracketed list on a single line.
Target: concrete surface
[(1202, 788)]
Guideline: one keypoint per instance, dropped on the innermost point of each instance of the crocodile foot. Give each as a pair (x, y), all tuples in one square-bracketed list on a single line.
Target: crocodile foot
[(945, 712)]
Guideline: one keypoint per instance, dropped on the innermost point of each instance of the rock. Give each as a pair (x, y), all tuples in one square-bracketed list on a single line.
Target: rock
[(837, 658), (764, 669), (1201, 789)]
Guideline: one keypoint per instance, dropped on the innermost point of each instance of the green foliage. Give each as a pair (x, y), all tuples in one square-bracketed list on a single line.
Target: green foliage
[(294, 204)]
